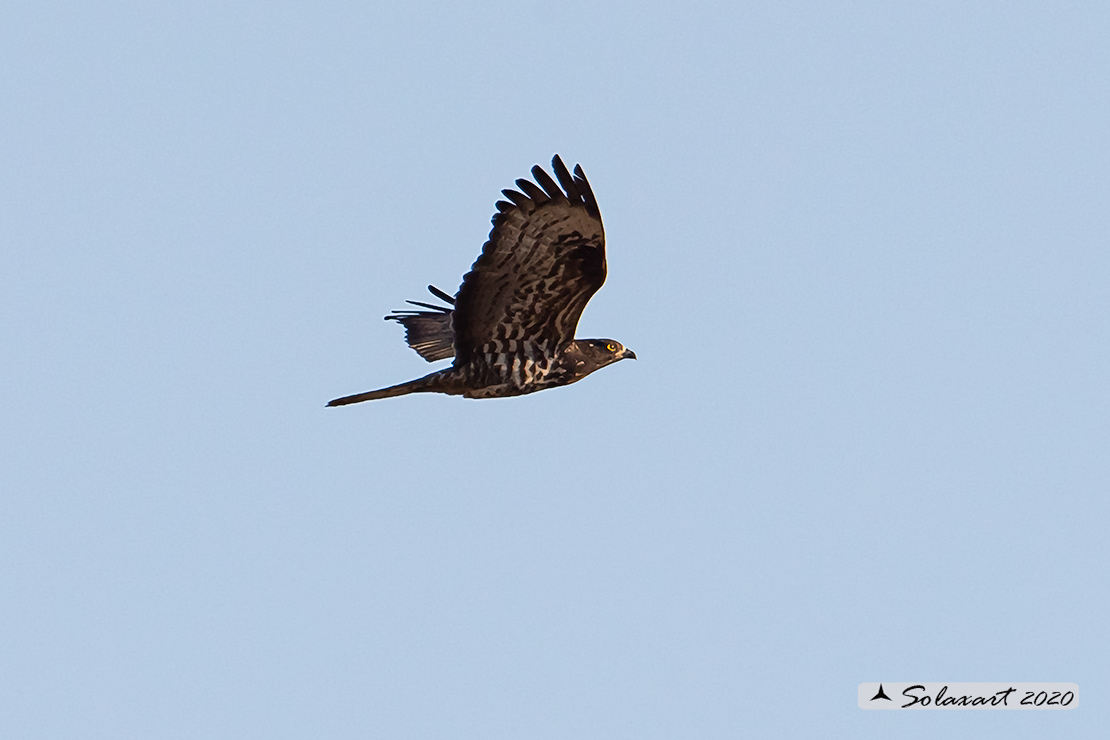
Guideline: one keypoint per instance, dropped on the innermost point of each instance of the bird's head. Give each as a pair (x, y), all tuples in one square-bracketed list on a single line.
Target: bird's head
[(593, 354)]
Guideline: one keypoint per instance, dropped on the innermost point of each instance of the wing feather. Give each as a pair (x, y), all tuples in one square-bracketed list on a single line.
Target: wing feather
[(544, 260), (549, 187), (533, 191), (520, 200), (429, 332), (441, 295)]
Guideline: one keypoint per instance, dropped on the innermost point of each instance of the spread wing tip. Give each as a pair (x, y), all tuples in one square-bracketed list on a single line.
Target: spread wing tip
[(576, 186)]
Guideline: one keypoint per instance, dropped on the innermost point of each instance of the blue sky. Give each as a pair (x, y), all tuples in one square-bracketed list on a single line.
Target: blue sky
[(860, 249)]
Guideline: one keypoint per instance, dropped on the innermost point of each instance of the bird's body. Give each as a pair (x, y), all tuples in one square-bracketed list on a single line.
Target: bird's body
[(511, 327)]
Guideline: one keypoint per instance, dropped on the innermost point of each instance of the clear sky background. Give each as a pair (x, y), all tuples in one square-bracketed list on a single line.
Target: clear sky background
[(862, 251)]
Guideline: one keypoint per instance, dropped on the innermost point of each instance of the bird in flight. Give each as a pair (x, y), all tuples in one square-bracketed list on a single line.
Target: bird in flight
[(511, 326)]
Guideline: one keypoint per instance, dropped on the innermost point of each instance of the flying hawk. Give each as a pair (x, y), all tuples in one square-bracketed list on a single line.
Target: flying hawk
[(511, 326)]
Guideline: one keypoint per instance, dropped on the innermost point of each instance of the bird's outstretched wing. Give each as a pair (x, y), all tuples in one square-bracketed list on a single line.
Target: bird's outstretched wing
[(429, 332), (544, 259)]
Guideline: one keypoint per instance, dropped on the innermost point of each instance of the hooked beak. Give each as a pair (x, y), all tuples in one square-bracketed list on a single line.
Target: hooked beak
[(628, 354)]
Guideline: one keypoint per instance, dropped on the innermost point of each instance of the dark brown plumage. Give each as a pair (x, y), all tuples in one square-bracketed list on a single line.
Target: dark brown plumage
[(511, 326)]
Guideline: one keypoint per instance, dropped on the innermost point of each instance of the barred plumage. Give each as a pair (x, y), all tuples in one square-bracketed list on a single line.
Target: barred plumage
[(511, 327)]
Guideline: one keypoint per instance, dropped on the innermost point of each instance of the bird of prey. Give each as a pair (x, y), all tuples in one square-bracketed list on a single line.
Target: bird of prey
[(511, 326)]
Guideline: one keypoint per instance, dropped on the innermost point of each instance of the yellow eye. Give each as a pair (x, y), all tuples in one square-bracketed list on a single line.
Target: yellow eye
[(611, 347)]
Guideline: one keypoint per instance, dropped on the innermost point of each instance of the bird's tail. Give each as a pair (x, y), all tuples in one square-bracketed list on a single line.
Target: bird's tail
[(429, 383)]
